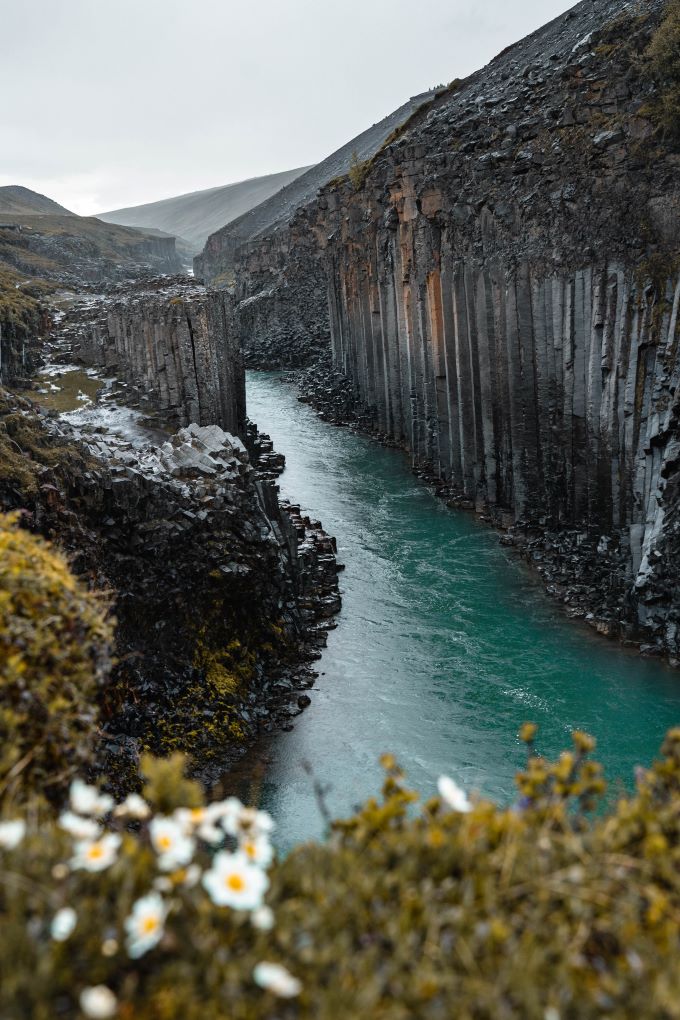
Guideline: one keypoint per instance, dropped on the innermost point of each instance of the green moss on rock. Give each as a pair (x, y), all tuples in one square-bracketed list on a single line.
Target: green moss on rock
[(27, 450)]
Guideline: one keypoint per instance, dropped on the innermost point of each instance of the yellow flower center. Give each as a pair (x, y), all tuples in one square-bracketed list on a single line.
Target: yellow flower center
[(164, 842), (95, 852), (250, 849), (149, 925), (197, 814), (235, 883)]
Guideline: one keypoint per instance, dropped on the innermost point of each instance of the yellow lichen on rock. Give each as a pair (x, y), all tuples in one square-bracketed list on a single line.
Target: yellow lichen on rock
[(55, 645)]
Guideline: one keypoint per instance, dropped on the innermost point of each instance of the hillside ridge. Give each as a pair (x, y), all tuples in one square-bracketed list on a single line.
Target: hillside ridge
[(15, 199), (194, 215)]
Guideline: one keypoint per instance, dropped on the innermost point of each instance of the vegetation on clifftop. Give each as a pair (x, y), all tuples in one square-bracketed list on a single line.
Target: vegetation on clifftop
[(27, 451), (21, 301), (23, 316)]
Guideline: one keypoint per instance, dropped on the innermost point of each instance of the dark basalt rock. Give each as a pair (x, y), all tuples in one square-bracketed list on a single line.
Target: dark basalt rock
[(499, 294), (221, 592), (175, 344)]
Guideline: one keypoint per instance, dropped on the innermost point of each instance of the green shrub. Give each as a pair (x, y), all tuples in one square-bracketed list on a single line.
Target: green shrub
[(547, 909), (54, 651), (663, 59)]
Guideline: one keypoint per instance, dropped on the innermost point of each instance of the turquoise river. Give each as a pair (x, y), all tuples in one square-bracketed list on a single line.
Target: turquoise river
[(444, 646)]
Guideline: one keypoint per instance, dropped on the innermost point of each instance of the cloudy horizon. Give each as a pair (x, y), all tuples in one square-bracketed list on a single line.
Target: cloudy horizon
[(114, 106)]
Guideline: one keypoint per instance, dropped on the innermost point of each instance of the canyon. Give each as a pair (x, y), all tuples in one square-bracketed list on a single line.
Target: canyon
[(340, 579), (497, 289), (487, 280)]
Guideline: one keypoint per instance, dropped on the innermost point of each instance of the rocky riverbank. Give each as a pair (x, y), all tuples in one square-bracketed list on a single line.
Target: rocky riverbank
[(222, 595)]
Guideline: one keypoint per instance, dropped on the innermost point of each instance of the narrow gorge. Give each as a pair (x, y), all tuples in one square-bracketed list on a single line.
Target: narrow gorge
[(499, 286)]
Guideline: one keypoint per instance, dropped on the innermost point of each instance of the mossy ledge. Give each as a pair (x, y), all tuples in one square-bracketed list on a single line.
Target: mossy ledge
[(24, 316), (55, 657)]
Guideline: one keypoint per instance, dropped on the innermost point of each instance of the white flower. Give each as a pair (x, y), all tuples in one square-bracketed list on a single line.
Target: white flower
[(221, 810), (201, 822), (98, 1002), (12, 833), (190, 818), (79, 828), (452, 795), (144, 926), (173, 846), (248, 822), (98, 854), (263, 918), (87, 800), (133, 806), (63, 923), (258, 850), (277, 979), (233, 881), (210, 834)]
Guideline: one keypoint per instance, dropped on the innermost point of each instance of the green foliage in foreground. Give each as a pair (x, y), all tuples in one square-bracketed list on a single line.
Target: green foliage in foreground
[(663, 58), (539, 910), (54, 651)]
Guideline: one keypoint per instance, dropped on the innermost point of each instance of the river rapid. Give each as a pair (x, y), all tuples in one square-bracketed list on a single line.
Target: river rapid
[(444, 646)]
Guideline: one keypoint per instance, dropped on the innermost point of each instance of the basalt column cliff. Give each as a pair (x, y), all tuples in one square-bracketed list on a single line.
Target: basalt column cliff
[(175, 346), (503, 294)]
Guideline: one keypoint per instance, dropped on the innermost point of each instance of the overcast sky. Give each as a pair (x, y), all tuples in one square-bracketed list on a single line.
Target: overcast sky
[(109, 103)]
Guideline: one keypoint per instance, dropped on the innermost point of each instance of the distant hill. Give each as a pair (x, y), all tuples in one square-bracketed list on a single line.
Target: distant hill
[(81, 249), (276, 210), (196, 215), (18, 201)]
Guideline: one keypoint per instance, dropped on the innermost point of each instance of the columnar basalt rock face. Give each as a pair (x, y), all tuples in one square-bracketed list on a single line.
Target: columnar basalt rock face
[(503, 295), (178, 346)]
